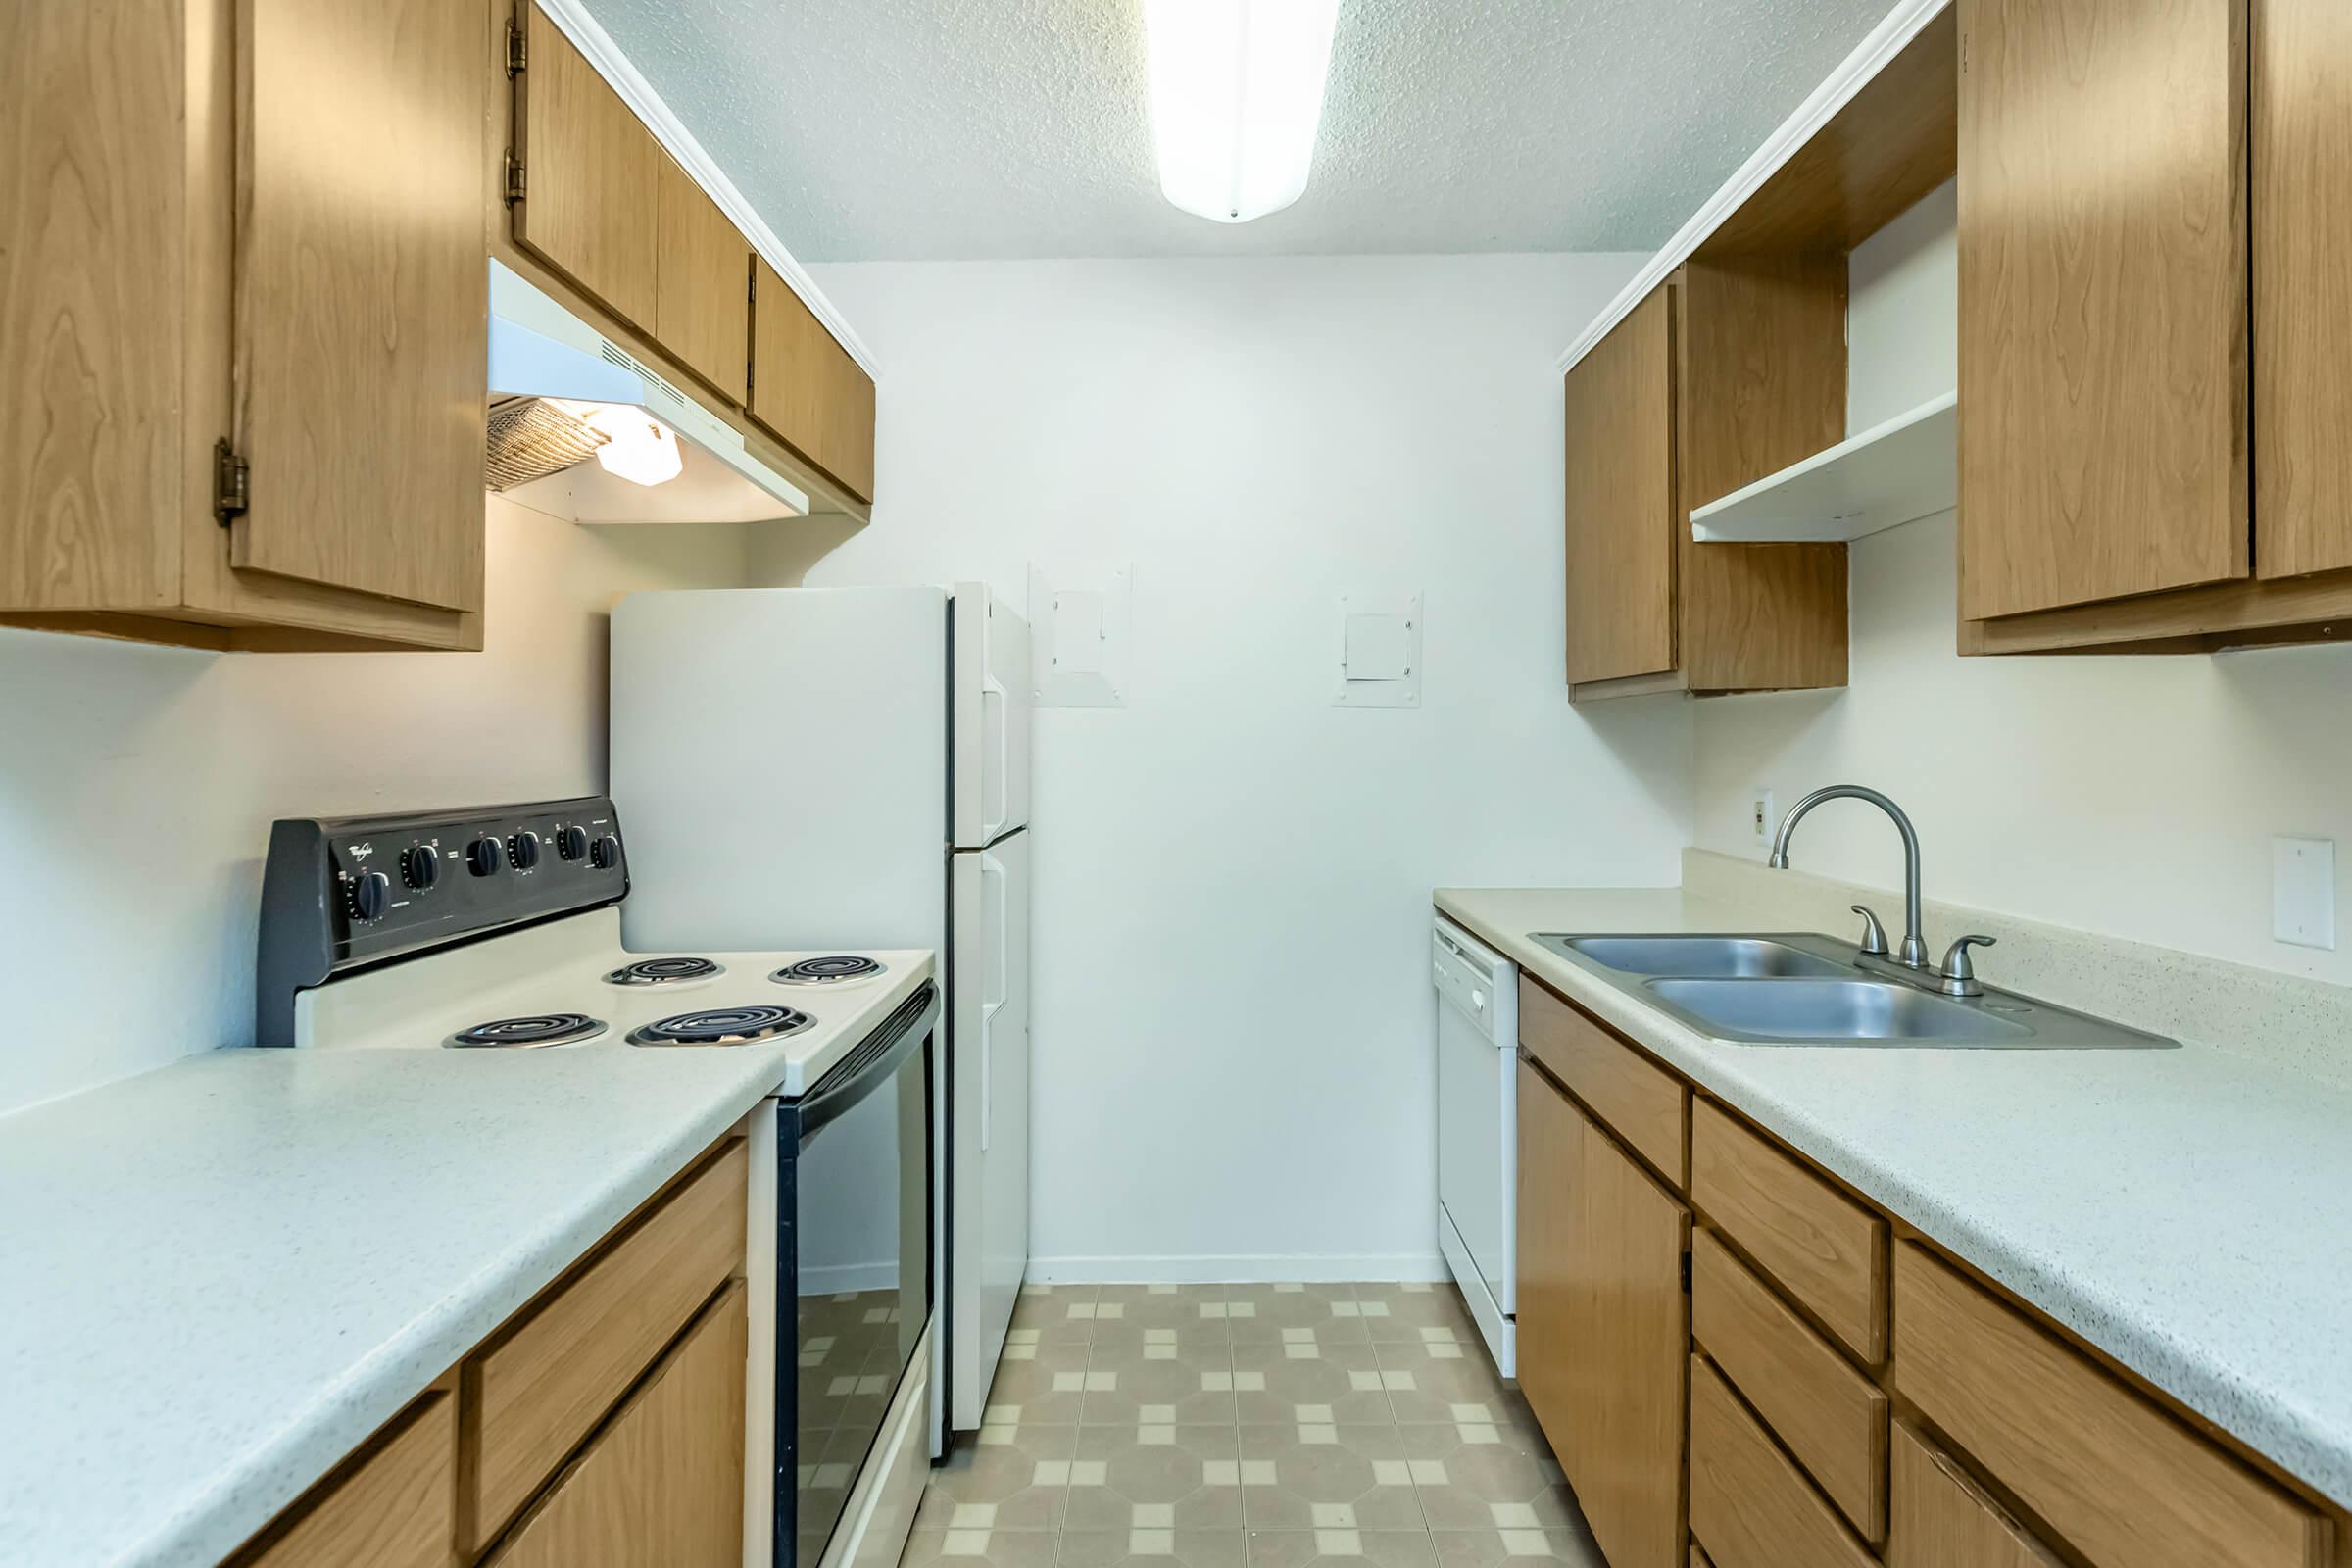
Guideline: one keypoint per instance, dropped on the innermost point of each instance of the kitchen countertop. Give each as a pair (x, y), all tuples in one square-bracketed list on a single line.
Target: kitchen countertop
[(221, 1275), (2183, 1211)]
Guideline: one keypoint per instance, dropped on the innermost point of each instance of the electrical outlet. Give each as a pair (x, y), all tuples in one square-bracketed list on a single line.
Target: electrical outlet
[(1761, 819), (2303, 892)]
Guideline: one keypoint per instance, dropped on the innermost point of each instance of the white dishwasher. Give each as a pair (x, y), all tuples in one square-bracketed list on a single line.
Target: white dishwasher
[(1478, 1128)]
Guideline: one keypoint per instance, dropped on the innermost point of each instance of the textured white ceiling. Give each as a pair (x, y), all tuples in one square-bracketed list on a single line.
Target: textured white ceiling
[(939, 129)]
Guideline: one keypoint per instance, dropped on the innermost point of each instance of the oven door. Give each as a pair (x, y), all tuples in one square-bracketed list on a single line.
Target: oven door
[(853, 1262)]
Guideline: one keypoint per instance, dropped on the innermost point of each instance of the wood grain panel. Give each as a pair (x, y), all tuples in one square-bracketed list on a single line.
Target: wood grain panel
[(1895, 141), (2103, 283), (1826, 1250), (392, 1505), (2122, 1482), (362, 324), (1828, 1415), (2244, 613), (1601, 1362), (806, 389), (1621, 508), (1638, 1101), (1942, 1519), (1699, 1558), (93, 281), (702, 273), (592, 175), (2302, 213), (536, 1389), (1751, 1506), (1761, 385), (664, 1481)]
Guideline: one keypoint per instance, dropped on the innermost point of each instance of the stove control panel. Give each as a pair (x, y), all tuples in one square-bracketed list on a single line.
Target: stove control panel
[(343, 893)]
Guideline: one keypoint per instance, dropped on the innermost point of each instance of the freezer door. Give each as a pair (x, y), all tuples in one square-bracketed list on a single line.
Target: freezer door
[(993, 708), (988, 1149)]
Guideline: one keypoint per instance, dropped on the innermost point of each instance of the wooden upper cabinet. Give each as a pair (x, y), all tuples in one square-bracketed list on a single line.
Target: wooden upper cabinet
[(703, 283), (592, 175), (805, 387), (2302, 212), (1621, 516), (2103, 297), (360, 296)]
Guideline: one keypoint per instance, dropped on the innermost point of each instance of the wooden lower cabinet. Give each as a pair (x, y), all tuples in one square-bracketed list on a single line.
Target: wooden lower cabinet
[(1602, 1308), (393, 1505), (663, 1482), (1749, 1502), (1942, 1519)]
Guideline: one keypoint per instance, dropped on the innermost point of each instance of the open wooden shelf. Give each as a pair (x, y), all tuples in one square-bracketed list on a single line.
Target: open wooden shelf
[(1891, 474)]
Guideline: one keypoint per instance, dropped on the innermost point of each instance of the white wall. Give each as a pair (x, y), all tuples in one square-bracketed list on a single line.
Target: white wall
[(1231, 1011), (2130, 795), (137, 785)]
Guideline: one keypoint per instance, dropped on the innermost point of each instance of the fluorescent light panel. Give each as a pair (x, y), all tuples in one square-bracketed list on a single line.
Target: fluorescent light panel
[(1237, 94)]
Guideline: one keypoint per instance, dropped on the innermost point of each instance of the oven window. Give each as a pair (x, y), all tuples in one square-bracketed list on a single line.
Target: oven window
[(863, 1223)]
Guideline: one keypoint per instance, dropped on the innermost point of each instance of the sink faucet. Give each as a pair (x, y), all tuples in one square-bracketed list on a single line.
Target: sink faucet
[(1914, 945)]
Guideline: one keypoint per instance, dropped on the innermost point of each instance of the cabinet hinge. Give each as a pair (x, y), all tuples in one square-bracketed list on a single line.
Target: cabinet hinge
[(518, 52), (232, 483), (1686, 1272), (515, 174)]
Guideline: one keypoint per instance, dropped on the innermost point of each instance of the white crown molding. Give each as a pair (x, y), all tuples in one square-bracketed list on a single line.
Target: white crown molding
[(615, 67), (1871, 56)]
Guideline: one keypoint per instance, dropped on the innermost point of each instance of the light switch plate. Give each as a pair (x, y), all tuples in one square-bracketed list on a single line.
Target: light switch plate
[(1380, 651), (2303, 892), (1760, 823)]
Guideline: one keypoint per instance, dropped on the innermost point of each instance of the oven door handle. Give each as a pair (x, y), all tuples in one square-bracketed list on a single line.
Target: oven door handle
[(871, 1063)]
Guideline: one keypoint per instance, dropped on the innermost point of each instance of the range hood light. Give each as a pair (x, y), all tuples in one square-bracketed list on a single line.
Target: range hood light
[(1237, 95), (638, 447)]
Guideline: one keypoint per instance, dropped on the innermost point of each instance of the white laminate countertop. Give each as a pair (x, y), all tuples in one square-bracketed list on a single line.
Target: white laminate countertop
[(217, 1279), (2183, 1211)]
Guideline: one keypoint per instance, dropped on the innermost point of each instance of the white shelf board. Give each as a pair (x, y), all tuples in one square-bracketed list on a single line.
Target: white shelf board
[(1890, 474)]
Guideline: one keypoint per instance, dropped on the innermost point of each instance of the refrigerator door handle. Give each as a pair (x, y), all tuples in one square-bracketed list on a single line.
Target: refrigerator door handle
[(993, 760), (992, 1000)]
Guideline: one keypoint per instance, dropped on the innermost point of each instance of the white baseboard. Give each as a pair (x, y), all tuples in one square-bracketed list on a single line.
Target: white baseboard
[(1255, 1269)]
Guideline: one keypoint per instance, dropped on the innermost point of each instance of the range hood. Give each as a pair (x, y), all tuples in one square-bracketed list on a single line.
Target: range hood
[(560, 390)]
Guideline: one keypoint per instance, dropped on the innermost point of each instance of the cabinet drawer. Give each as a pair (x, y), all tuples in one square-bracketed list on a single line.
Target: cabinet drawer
[(2121, 1481), (1945, 1520), (1640, 1102), (393, 1506), (1830, 1417), (1824, 1250), (1750, 1506), (551, 1377)]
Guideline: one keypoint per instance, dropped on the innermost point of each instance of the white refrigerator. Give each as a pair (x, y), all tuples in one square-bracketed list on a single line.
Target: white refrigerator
[(849, 769)]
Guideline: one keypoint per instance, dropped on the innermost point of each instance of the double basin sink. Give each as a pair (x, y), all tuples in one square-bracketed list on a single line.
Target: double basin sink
[(1808, 989)]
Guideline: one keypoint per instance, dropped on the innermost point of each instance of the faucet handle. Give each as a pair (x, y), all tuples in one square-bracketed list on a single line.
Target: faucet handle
[(1874, 934), (1959, 974)]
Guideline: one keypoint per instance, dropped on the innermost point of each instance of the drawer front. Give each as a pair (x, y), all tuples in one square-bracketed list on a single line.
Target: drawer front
[(1749, 1506), (2121, 1481), (1945, 1520), (550, 1378), (1828, 1415), (395, 1507), (1826, 1250), (1640, 1102)]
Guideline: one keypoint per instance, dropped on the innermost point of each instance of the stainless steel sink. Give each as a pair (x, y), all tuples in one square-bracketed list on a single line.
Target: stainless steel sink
[(1721, 957), (1803, 988)]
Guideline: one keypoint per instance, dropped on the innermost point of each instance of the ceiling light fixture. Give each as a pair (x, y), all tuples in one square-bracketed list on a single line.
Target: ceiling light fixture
[(1237, 93)]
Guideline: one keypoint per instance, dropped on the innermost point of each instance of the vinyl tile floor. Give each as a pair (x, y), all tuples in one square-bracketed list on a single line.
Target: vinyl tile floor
[(1249, 1426)]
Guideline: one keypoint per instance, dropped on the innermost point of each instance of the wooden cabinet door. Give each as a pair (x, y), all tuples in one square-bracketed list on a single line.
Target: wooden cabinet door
[(806, 389), (2302, 211), (591, 175), (395, 1507), (1942, 1519), (361, 295), (1604, 1326), (703, 283), (2103, 284), (663, 1482), (1621, 507)]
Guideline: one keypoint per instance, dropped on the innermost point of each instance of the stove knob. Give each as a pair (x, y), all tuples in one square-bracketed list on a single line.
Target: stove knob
[(370, 896), (573, 842), (523, 850), (605, 853), (420, 866), (483, 856)]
